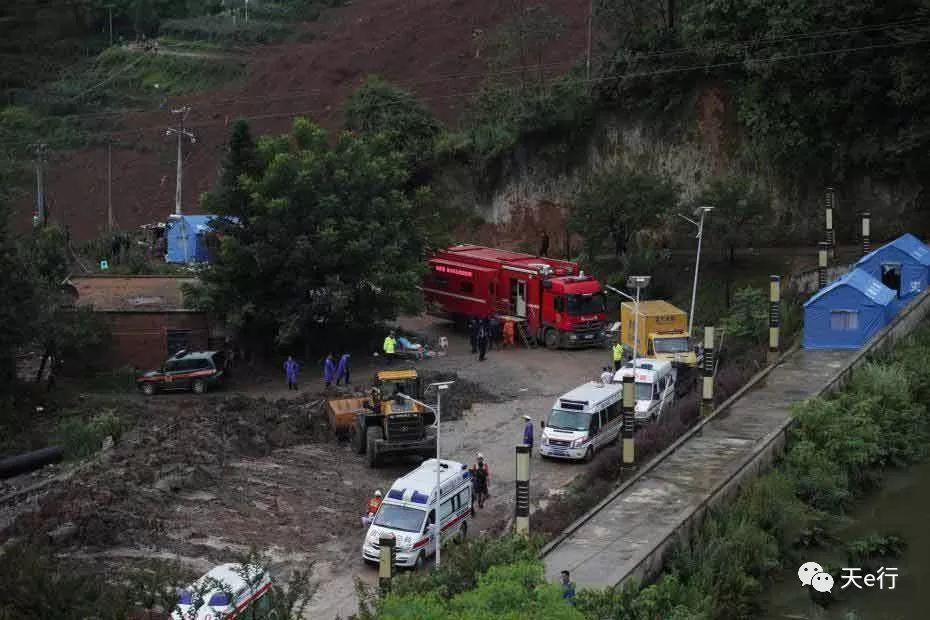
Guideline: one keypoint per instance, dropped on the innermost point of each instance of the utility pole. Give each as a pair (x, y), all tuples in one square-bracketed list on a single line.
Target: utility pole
[(587, 60), (246, 11), (40, 152), (181, 133), (110, 185), (110, 19)]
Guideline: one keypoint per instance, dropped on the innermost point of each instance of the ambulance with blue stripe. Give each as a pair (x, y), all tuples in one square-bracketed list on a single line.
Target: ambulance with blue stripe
[(408, 512)]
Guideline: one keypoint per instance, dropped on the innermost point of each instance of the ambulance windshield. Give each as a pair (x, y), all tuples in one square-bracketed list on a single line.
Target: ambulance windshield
[(400, 518), (568, 420)]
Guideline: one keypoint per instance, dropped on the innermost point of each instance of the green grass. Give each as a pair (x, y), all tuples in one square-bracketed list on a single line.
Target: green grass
[(222, 29), (83, 437)]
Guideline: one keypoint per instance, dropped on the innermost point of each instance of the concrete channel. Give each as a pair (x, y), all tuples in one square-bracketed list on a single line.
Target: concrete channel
[(629, 535)]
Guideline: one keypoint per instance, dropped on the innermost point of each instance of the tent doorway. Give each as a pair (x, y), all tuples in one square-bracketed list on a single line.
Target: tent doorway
[(891, 277)]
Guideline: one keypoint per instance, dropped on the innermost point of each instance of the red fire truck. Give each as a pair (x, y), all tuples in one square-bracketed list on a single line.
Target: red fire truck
[(553, 300)]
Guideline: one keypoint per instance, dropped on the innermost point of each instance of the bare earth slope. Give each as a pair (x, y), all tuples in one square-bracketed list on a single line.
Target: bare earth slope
[(429, 46)]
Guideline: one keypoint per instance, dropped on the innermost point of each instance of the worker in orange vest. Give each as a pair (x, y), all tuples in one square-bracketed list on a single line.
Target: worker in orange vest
[(508, 333), (372, 509)]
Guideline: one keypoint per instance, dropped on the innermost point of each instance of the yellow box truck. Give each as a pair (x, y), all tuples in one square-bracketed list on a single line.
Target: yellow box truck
[(663, 332)]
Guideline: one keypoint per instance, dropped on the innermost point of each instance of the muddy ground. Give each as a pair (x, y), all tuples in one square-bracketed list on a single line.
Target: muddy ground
[(203, 479)]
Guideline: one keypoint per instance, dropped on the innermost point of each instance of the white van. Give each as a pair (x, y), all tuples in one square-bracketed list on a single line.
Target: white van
[(407, 511), (655, 387), (583, 421)]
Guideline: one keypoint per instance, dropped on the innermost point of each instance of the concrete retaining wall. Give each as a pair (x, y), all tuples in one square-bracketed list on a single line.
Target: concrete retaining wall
[(760, 460)]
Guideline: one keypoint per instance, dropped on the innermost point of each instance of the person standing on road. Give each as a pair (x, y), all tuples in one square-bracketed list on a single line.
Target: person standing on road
[(329, 370), (528, 433), (291, 368), (473, 333), (508, 333), (544, 244), (618, 356), (390, 344), (371, 509), (482, 340), (481, 477), (342, 370), (568, 588), (494, 330)]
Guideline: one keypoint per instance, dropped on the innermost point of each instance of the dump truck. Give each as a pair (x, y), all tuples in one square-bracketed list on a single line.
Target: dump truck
[(385, 423), (663, 335)]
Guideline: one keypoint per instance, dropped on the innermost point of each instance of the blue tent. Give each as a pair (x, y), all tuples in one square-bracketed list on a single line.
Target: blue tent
[(848, 312), (902, 265), (186, 236)]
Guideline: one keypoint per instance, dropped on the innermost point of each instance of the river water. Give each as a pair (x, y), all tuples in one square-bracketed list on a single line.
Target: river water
[(902, 507)]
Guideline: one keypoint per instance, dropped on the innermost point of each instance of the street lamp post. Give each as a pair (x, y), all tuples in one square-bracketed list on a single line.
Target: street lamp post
[(697, 261), (637, 282), (440, 386)]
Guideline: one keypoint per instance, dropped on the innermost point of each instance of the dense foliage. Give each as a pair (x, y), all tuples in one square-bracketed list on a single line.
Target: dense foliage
[(323, 236), (819, 88)]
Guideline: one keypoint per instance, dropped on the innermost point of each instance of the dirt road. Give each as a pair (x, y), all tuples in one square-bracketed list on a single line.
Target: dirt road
[(203, 479), (527, 382)]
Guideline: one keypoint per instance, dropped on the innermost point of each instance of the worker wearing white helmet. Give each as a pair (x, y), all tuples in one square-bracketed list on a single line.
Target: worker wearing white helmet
[(374, 503)]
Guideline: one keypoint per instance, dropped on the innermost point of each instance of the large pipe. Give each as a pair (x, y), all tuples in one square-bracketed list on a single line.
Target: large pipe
[(30, 461)]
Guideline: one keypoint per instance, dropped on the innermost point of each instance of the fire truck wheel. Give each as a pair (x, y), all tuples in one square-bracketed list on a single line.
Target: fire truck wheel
[(148, 389), (199, 387), (551, 338)]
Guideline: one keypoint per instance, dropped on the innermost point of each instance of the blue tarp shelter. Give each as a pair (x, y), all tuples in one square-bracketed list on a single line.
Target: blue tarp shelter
[(848, 312), (186, 237), (902, 265)]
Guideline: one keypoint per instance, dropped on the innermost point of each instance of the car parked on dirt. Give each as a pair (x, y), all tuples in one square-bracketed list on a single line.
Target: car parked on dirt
[(194, 371)]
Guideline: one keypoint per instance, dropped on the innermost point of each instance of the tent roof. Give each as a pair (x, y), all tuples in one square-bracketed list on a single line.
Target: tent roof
[(860, 280), (907, 244), (195, 222)]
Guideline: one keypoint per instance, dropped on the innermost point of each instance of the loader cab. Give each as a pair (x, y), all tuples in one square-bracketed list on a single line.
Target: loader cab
[(393, 384)]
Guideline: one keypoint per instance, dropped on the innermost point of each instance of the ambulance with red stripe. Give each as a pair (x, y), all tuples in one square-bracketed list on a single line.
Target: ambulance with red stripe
[(228, 591), (408, 512)]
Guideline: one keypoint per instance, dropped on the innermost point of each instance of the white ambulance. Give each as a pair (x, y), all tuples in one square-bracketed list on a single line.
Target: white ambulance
[(655, 387), (583, 421), (228, 591), (407, 512)]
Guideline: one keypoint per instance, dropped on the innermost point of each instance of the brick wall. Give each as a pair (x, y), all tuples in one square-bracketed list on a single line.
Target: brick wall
[(140, 338)]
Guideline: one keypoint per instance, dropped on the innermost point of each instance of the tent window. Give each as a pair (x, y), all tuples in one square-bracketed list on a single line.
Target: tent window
[(844, 320)]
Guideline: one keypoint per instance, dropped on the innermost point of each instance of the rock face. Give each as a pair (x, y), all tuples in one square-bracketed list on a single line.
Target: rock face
[(535, 194)]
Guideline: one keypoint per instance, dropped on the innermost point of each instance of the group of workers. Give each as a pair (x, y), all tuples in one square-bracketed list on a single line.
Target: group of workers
[(489, 332)]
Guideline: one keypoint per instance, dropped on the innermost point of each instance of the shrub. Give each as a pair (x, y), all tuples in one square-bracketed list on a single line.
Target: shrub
[(462, 564), (221, 28), (83, 438)]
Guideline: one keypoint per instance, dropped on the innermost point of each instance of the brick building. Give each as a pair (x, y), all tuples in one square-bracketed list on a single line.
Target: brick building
[(148, 316)]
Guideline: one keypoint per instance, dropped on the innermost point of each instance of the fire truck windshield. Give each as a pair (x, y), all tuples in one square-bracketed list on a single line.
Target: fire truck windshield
[(585, 304), (671, 345)]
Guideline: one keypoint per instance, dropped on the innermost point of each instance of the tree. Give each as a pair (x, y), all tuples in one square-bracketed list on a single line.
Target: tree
[(747, 318), (524, 40), (16, 304), (60, 330), (618, 204), (326, 240), (241, 159), (741, 213), (377, 107)]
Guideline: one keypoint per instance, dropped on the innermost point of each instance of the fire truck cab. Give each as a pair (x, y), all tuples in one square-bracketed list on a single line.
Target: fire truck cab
[(553, 300)]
